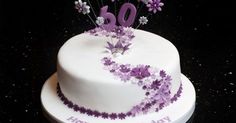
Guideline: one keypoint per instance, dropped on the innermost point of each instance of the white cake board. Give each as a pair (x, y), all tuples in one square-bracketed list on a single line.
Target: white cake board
[(177, 112)]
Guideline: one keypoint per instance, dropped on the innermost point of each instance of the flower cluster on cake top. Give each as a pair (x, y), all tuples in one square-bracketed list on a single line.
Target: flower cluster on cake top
[(121, 38), (118, 28)]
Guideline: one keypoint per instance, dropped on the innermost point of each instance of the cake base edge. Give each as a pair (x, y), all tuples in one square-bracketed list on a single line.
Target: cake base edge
[(178, 112)]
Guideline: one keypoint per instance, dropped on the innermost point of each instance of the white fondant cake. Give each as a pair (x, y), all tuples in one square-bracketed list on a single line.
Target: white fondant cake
[(84, 81)]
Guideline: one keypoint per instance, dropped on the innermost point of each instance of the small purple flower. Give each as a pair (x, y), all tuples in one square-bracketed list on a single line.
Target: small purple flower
[(117, 48), (163, 94), (135, 110), (125, 40), (115, 66), (162, 73), (147, 106), (154, 5), (124, 68), (121, 116), (155, 84), (96, 113), (119, 30), (129, 33), (83, 110), (107, 61), (89, 112), (168, 78), (125, 77), (140, 72), (105, 115), (70, 104), (76, 108), (129, 113), (113, 116)]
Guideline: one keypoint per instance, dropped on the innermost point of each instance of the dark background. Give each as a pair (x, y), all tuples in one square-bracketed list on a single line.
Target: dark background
[(31, 33)]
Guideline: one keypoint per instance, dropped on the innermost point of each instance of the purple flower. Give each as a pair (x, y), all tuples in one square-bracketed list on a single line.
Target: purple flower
[(119, 30), (129, 33), (125, 40), (107, 61), (105, 115), (162, 73), (129, 113), (70, 104), (135, 110), (168, 78), (89, 112), (124, 68), (121, 116), (113, 116), (155, 84), (76, 108), (140, 72), (117, 48), (114, 67), (163, 94), (83, 110), (125, 77), (96, 113), (154, 5)]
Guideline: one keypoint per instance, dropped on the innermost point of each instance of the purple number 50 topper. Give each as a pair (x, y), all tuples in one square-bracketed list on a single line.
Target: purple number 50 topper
[(111, 19)]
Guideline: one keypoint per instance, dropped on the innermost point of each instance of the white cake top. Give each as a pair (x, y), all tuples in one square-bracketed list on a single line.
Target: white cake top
[(84, 80), (81, 55)]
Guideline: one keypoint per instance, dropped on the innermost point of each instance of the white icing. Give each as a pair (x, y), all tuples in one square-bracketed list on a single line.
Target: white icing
[(84, 81)]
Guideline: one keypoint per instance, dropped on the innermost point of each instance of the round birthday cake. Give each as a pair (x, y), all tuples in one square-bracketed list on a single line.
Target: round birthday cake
[(117, 83), (118, 73)]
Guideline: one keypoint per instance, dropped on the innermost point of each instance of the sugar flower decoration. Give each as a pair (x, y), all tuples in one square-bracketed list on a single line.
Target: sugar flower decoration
[(154, 5), (143, 20), (140, 72), (82, 7), (117, 48), (100, 21)]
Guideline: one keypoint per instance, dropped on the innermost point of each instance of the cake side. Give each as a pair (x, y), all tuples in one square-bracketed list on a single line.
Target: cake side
[(84, 81)]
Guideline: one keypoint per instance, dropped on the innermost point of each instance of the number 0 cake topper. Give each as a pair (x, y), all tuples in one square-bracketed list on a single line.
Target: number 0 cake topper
[(118, 27)]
